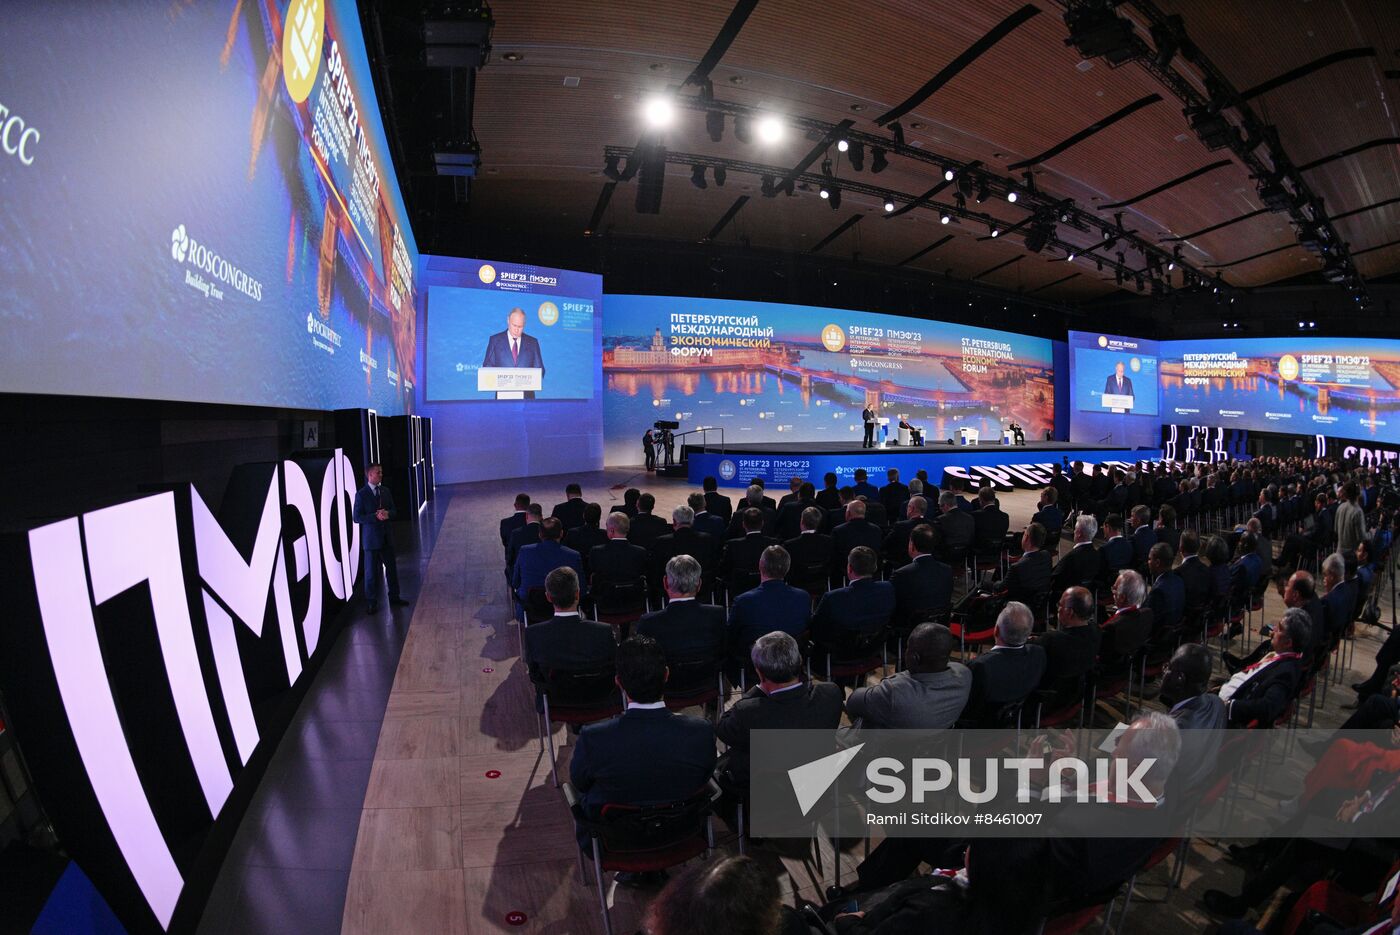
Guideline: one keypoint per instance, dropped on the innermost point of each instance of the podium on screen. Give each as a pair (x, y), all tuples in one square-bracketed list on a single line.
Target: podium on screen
[(1118, 402), (509, 382)]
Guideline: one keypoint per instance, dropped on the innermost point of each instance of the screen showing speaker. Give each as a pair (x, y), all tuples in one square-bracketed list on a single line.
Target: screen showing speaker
[(199, 204), (1113, 389), (1343, 387), (512, 332), (769, 372)]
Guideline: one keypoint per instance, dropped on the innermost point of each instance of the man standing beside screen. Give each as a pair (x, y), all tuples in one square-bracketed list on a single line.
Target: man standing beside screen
[(1118, 385), (514, 348), (374, 508)]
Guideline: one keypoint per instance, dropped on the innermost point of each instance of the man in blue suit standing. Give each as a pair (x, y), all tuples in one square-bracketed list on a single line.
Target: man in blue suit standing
[(374, 509), (535, 562), (1118, 384), (514, 348)]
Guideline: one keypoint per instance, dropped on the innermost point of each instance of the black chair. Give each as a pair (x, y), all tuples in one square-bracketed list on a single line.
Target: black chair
[(618, 603), (577, 697), (853, 653), (537, 606), (642, 839), (694, 681)]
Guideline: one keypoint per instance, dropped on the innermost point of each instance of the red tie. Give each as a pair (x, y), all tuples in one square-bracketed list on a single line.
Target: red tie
[(514, 351)]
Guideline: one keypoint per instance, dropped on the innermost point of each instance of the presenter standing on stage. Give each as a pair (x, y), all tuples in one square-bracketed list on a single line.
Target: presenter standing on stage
[(649, 449), (374, 508), (514, 348), (868, 415)]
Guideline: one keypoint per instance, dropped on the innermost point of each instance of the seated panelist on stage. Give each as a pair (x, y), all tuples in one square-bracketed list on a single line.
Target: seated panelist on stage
[(916, 435)]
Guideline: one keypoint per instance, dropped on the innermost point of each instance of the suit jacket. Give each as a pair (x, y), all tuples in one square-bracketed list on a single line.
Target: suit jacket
[(771, 606), (1244, 575), (1195, 578), (712, 524), (1144, 538), (1317, 611), (525, 535), (989, 526), (510, 524), (896, 545), (1028, 578), (498, 352), (646, 528), (810, 706), (1111, 385), (1124, 634), (1340, 604), (567, 642), (1117, 554), (570, 512), (1003, 675), (1199, 719), (956, 528), (1080, 564), (808, 549), (642, 757), (894, 496), (829, 498), (1069, 653), (686, 629), (927, 700), (867, 490), (789, 519), (718, 504), (618, 560), (1167, 601), (1264, 695), (374, 533), (848, 535), (860, 607), (923, 584), (1053, 519), (736, 523), (740, 556), (584, 540), (535, 562), (684, 541)]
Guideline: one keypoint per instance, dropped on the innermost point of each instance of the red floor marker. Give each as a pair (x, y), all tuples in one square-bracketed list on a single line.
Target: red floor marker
[(488, 670), (493, 774), (516, 918)]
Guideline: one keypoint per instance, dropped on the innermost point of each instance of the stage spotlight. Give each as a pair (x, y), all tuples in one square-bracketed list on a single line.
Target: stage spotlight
[(835, 199), (982, 193), (714, 123), (770, 129), (743, 128), (610, 168), (995, 231), (658, 112), (943, 218), (697, 177), (842, 146), (1069, 257), (824, 192), (1064, 217), (948, 175), (889, 206), (856, 157), (720, 174), (1011, 196), (878, 162)]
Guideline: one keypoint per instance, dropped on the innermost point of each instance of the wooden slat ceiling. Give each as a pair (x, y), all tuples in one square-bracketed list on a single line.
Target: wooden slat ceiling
[(542, 142)]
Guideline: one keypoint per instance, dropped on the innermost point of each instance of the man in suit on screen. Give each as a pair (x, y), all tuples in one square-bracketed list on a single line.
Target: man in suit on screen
[(374, 508), (1118, 384), (514, 348)]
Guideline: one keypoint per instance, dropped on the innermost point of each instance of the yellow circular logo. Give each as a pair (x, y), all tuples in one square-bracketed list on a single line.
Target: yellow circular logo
[(302, 32), (549, 313), (833, 338), (1103, 341), (1134, 364), (487, 273), (1288, 367)]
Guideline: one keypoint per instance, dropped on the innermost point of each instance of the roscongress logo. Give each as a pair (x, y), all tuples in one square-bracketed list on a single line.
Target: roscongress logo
[(185, 249), (302, 32)]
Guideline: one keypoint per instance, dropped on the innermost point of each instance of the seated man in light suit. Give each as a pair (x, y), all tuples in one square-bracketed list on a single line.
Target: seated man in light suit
[(374, 508), (514, 348), (929, 695), (535, 562)]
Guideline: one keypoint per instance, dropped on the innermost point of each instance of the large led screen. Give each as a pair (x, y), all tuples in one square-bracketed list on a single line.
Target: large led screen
[(1342, 387), (1113, 389), (199, 204), (793, 373)]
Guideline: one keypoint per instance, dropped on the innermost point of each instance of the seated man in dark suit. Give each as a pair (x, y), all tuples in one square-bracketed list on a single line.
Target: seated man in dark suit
[(1167, 598), (711, 524), (765, 502), (685, 628), (630, 497), (924, 585), (515, 520), (647, 755), (1009, 671), (894, 494), (1081, 565), (535, 562), (1117, 551), (1129, 626), (875, 512), (810, 552), (1261, 691), (684, 541), (1194, 573), (829, 497), (565, 641), (716, 502), (989, 523), (1071, 650), (570, 512), (794, 485), (789, 520), (895, 550), (780, 701), (956, 528), (1049, 515), (753, 500), (1144, 536), (930, 694), (1166, 530), (617, 560), (1339, 602), (863, 606), (1029, 578), (862, 487), (855, 531), (646, 527), (773, 605), (738, 563), (526, 534), (1245, 570), (583, 539)]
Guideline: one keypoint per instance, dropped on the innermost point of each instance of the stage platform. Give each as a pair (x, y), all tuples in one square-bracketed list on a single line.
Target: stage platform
[(1007, 465)]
